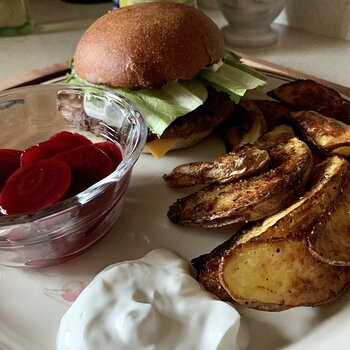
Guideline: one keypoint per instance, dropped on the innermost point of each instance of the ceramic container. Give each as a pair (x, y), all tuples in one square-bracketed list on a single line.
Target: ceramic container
[(249, 21)]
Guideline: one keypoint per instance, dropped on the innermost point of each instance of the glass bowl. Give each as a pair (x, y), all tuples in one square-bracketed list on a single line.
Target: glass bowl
[(61, 231)]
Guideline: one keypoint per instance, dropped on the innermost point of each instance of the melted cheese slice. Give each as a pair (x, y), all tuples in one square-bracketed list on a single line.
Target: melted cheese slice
[(158, 148)]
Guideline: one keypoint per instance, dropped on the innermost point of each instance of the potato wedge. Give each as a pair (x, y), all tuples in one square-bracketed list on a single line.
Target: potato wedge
[(245, 126), (329, 241), (274, 112), (252, 198), (207, 267), (245, 161), (329, 135), (310, 95), (188, 174), (297, 220), (327, 182), (278, 135), (280, 273)]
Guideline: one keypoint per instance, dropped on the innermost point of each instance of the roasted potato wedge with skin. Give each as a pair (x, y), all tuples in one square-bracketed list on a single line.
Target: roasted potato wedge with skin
[(299, 219), (207, 267), (274, 112), (245, 126), (252, 198), (328, 135), (228, 167), (187, 175), (329, 241), (278, 135), (327, 182), (280, 273), (311, 95)]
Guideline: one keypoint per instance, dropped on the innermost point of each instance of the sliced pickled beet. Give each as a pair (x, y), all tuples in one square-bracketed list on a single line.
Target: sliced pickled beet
[(88, 165), (60, 142), (70, 137), (9, 163), (35, 186), (111, 149)]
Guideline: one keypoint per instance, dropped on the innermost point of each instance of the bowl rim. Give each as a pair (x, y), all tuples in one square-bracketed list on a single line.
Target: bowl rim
[(91, 192)]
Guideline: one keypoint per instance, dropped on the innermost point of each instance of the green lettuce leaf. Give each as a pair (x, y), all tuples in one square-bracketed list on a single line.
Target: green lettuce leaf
[(233, 77), (161, 107)]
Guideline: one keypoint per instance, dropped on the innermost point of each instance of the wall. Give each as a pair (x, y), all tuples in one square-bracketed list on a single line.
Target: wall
[(56, 11), (326, 17)]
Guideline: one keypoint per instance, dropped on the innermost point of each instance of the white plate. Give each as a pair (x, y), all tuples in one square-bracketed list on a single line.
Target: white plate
[(32, 302)]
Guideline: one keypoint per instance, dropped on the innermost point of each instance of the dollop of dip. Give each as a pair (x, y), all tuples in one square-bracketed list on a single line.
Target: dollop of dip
[(151, 303)]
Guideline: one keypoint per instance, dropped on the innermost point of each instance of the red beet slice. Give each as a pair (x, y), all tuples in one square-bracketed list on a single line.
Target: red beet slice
[(111, 149), (9, 163), (88, 165), (60, 142), (70, 137), (35, 186)]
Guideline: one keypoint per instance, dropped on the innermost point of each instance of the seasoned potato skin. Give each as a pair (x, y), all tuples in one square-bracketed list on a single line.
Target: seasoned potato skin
[(207, 267), (249, 199), (278, 274), (329, 135), (245, 126), (228, 167), (307, 94), (274, 112), (257, 246), (299, 255), (329, 241)]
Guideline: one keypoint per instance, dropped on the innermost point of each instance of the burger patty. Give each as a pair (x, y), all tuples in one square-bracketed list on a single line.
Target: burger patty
[(215, 110)]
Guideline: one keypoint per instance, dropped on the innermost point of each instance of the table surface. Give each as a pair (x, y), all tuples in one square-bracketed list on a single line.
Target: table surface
[(317, 55)]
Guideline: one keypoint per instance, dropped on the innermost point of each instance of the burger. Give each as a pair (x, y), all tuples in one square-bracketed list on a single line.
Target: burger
[(170, 61)]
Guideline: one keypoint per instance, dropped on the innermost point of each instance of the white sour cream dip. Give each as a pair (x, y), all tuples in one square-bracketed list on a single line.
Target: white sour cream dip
[(152, 303)]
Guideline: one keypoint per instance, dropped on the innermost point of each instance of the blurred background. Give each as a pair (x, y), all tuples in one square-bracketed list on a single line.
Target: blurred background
[(312, 35), (326, 17)]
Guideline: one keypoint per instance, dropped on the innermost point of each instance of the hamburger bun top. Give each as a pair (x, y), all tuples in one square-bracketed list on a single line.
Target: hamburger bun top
[(146, 45)]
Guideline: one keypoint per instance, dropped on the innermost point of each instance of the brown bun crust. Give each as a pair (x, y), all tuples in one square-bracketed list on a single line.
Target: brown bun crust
[(147, 45)]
